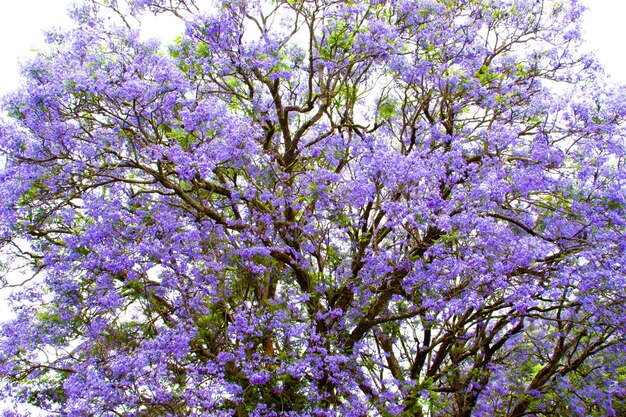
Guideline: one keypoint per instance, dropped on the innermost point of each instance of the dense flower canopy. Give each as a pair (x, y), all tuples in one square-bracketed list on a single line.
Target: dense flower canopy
[(316, 208)]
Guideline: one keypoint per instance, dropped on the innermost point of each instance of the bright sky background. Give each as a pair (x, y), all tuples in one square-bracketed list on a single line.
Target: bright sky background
[(22, 26), (605, 32)]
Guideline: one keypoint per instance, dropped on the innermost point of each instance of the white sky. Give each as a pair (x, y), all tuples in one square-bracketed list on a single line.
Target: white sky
[(22, 26), (605, 32)]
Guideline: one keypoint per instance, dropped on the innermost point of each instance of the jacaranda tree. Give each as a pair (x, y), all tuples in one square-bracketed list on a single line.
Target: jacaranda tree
[(317, 208)]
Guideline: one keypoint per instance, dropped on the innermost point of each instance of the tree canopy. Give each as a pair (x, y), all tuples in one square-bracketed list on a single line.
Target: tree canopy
[(316, 208)]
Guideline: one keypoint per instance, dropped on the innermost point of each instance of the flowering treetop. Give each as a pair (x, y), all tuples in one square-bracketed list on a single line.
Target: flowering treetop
[(317, 208)]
